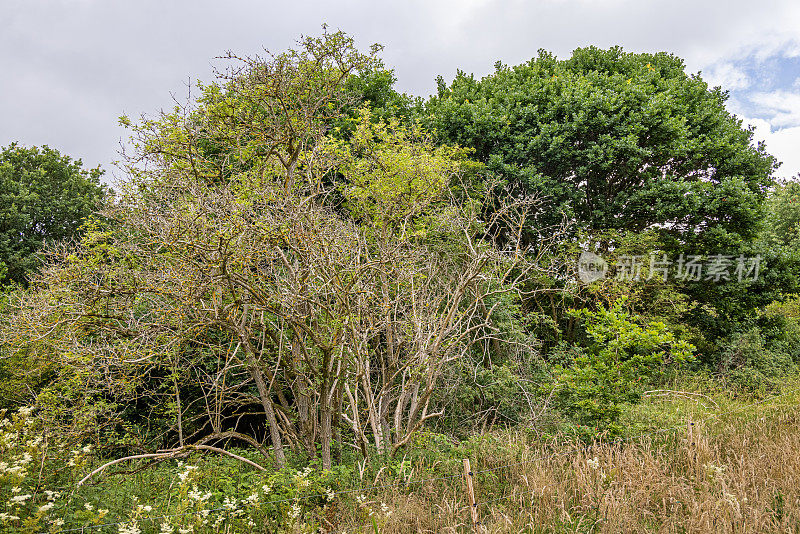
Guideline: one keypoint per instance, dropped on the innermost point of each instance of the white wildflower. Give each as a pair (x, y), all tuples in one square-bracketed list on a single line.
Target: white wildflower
[(166, 528), (19, 499), (7, 517), (715, 471), (46, 507), (294, 513), (58, 522), (88, 506), (189, 468), (229, 503), (385, 509), (10, 438), (129, 528), (195, 495), (732, 501), (594, 463)]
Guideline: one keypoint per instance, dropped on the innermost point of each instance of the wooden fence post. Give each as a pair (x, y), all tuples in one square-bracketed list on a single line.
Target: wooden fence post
[(473, 506)]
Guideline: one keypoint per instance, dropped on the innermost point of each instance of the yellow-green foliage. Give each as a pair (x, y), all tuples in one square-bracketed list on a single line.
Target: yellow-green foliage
[(394, 171)]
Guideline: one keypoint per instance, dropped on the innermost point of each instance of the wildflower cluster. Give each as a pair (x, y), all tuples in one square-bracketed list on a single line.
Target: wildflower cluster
[(199, 500), (23, 472), (377, 513)]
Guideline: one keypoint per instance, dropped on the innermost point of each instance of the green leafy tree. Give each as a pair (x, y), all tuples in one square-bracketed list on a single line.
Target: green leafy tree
[(375, 89), (629, 143), (783, 218), (615, 140), (44, 197), (731, 308)]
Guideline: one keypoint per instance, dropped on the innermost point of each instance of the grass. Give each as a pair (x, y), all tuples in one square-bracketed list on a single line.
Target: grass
[(723, 464), (735, 469)]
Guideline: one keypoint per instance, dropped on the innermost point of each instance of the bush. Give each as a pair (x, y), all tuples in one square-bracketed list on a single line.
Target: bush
[(752, 364), (780, 323), (622, 358)]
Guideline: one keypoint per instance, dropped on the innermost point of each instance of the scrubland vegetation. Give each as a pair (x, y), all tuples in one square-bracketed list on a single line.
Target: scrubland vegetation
[(312, 296)]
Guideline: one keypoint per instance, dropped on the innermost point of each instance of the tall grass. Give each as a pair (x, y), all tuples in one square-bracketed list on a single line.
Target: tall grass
[(723, 465), (735, 473)]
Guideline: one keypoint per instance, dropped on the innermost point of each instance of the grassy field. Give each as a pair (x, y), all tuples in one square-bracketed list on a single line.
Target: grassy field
[(734, 468), (692, 463)]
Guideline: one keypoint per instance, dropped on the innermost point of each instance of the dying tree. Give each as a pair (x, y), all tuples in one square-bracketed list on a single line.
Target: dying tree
[(257, 265)]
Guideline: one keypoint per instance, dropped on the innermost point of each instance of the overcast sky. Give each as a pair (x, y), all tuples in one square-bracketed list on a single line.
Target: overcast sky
[(70, 68)]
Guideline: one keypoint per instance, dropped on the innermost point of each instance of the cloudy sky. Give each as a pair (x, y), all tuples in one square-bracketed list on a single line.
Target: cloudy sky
[(70, 68)]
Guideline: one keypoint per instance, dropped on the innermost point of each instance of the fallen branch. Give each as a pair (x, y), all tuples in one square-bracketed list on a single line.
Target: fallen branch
[(125, 459), (170, 453), (223, 451), (236, 435), (683, 394)]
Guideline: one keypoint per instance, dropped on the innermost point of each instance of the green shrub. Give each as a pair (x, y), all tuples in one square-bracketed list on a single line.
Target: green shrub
[(780, 323), (753, 364), (614, 369)]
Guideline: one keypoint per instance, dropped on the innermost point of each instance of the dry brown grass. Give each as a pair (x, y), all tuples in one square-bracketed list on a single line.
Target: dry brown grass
[(734, 474)]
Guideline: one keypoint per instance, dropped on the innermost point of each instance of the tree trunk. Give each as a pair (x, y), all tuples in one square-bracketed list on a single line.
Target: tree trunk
[(266, 402), (326, 433), (337, 422)]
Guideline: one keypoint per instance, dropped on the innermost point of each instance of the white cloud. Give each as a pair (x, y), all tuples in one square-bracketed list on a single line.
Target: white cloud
[(783, 143), (727, 76), (115, 57), (773, 44), (779, 108)]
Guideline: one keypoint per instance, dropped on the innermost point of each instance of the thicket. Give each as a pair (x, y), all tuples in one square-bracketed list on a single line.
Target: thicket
[(307, 277)]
